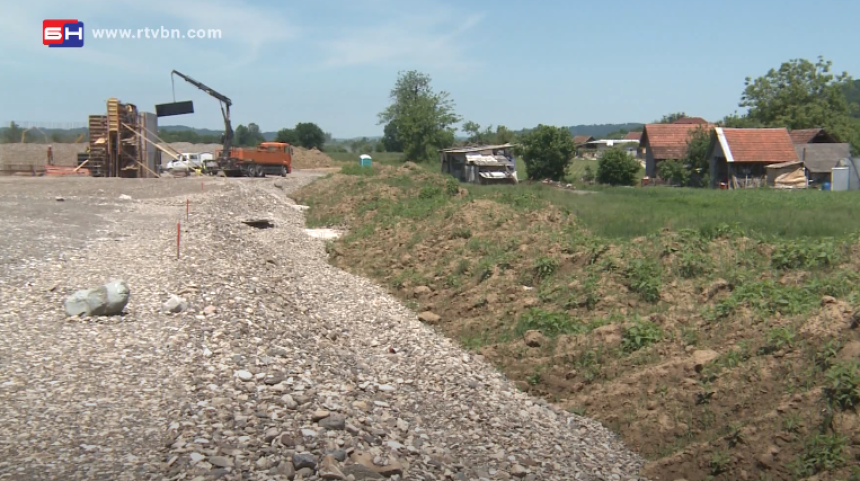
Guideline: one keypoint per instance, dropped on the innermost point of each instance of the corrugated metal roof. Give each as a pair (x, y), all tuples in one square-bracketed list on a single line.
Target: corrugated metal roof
[(479, 148), (822, 158)]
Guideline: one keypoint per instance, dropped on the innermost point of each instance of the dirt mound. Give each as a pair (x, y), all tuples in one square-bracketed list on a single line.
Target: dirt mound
[(310, 159), (630, 328), (65, 155), (194, 148)]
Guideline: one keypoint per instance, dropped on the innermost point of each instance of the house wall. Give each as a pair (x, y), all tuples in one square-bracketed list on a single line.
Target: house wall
[(650, 163), (719, 166)]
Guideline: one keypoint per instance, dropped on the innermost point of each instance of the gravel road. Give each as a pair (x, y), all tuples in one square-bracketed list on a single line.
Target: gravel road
[(281, 367)]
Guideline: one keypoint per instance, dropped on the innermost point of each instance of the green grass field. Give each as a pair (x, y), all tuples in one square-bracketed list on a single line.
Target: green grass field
[(386, 158), (627, 212)]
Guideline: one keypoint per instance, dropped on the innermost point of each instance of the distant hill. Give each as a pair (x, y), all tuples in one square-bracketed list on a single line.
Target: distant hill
[(597, 130), (207, 132)]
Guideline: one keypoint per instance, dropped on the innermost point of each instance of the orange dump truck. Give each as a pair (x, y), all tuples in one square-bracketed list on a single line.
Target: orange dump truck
[(268, 158)]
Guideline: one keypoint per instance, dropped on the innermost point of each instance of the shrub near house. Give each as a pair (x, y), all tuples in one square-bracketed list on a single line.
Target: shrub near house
[(617, 167)]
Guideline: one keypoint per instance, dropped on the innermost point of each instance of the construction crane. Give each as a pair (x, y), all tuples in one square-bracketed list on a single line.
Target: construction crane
[(24, 134), (227, 138)]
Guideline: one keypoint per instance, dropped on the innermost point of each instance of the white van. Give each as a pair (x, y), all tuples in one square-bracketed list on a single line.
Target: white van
[(186, 161)]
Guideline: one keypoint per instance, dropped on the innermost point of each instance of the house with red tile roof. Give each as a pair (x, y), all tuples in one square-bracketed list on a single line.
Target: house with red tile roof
[(691, 120), (633, 136), (739, 157), (812, 136), (661, 142), (581, 139)]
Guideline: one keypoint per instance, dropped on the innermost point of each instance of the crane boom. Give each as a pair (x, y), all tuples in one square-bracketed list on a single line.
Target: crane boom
[(225, 110)]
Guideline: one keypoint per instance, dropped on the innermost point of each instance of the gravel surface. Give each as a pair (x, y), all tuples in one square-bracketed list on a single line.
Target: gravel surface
[(279, 367)]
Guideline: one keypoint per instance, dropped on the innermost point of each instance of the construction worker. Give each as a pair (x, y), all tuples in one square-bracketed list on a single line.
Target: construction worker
[(50, 156)]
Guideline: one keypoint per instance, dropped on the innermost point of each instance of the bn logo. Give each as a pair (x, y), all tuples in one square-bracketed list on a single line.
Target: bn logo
[(62, 33)]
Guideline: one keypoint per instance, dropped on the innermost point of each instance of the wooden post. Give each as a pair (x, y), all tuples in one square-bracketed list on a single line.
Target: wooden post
[(178, 230), (187, 208)]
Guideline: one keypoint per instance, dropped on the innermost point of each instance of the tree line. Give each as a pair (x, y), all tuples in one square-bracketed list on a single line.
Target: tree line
[(799, 94), (305, 134)]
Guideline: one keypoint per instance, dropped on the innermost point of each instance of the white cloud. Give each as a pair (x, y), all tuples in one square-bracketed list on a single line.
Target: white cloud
[(434, 39)]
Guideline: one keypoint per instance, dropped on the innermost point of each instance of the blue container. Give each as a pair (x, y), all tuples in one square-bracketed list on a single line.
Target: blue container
[(365, 161), (825, 186)]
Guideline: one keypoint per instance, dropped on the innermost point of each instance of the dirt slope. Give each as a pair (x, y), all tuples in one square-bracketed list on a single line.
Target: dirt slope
[(708, 352)]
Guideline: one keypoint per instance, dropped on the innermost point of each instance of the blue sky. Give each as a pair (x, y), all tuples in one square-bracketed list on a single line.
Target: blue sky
[(334, 62)]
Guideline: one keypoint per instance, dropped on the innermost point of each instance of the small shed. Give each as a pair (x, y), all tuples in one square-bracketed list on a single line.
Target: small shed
[(661, 142), (819, 159), (812, 136), (739, 157), (482, 164)]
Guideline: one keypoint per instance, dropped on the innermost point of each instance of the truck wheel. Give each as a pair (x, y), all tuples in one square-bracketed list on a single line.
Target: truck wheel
[(283, 171), (261, 171)]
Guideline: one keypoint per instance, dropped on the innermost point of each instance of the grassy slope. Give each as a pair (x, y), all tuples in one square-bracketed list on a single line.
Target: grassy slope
[(624, 308)]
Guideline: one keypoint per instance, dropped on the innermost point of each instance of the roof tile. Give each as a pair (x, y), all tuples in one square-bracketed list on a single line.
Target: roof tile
[(669, 141), (760, 145), (691, 120)]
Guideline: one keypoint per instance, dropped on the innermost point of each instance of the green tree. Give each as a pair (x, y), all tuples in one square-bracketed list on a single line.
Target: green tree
[(287, 136), (671, 118), (736, 121), (390, 139), (12, 134), (618, 134), (255, 137), (675, 171), (801, 94), (504, 135), (617, 167), (547, 152), (241, 137), (478, 136), (424, 119), (310, 135), (696, 160)]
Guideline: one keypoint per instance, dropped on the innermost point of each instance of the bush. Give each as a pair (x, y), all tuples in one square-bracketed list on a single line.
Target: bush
[(547, 152), (643, 277), (821, 452), (588, 174), (617, 167), (641, 335), (843, 385), (674, 171), (550, 324)]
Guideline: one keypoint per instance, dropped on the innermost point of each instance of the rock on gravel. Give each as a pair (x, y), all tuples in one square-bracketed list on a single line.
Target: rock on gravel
[(107, 300), (175, 304), (245, 386)]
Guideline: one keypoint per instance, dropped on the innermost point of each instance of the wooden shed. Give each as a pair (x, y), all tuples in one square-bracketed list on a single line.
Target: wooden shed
[(482, 164)]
